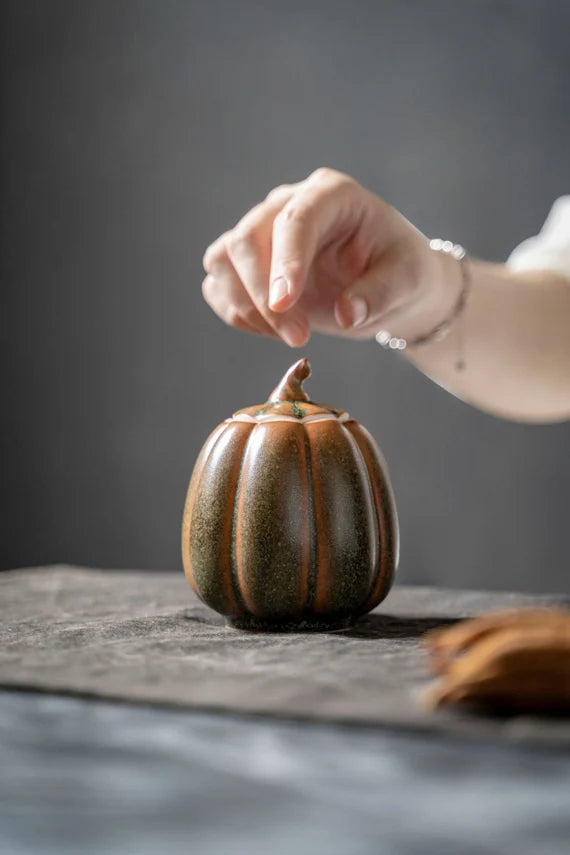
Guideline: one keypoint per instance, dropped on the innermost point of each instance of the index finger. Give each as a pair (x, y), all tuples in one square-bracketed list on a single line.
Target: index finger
[(320, 211)]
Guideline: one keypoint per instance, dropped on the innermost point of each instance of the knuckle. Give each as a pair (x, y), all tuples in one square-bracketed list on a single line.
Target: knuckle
[(323, 173), (278, 191), (232, 316), (241, 239), (208, 258), (298, 213), (332, 178), (215, 294), (214, 253), (207, 288)]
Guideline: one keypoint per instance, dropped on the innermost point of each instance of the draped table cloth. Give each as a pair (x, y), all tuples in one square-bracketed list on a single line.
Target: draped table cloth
[(145, 637)]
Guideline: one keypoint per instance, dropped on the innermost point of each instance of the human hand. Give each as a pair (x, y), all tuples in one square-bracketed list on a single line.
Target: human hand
[(329, 256)]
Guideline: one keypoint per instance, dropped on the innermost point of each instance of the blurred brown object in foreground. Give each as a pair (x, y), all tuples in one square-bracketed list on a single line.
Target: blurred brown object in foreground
[(513, 661)]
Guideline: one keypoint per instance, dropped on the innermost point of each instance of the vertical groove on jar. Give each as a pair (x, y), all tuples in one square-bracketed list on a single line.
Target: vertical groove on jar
[(343, 516), (375, 554), (386, 515), (271, 538), (211, 524), (313, 541), (205, 453), (240, 593)]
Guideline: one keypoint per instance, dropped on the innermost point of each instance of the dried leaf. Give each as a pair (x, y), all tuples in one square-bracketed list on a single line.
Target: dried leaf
[(445, 644), (515, 661)]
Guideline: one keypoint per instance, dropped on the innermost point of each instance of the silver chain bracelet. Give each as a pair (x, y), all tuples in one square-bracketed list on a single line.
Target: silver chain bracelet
[(390, 342)]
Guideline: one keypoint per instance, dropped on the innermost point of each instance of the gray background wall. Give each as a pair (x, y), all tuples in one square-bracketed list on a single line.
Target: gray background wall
[(135, 132)]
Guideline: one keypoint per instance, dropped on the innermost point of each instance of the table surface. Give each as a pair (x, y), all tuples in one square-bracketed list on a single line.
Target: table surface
[(96, 777), (93, 776), (144, 636)]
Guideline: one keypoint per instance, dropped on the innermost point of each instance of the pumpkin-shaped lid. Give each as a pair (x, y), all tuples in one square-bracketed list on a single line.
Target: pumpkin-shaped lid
[(289, 401)]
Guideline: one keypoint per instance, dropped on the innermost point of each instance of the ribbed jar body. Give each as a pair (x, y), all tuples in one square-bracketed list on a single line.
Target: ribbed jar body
[(290, 521)]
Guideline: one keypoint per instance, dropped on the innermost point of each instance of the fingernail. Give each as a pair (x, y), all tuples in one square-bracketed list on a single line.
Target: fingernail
[(292, 334), (279, 289), (358, 310)]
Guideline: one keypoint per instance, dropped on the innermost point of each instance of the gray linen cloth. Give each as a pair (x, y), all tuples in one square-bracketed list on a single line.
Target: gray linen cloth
[(145, 637)]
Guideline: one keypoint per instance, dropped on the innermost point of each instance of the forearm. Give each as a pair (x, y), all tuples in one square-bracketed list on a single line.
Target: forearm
[(516, 333)]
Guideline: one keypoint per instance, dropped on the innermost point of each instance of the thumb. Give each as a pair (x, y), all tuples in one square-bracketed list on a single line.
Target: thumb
[(386, 286)]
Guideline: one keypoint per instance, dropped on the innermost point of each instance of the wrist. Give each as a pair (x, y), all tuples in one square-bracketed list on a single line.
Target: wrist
[(441, 289)]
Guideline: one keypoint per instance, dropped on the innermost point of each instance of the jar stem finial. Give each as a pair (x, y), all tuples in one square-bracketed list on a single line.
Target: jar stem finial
[(291, 386)]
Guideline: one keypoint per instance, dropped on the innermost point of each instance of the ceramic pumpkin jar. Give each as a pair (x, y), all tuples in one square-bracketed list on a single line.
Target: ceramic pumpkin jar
[(290, 520)]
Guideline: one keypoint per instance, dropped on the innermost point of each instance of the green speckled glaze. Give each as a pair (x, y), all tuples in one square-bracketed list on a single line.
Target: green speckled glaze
[(290, 521)]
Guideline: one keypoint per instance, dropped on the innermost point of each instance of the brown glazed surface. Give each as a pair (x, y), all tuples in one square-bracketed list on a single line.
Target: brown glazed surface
[(290, 521)]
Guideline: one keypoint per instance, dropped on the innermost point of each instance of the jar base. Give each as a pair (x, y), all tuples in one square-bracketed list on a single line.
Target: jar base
[(309, 625)]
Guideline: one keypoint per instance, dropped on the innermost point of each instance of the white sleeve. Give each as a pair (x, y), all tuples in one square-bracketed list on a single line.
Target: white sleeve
[(550, 249)]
